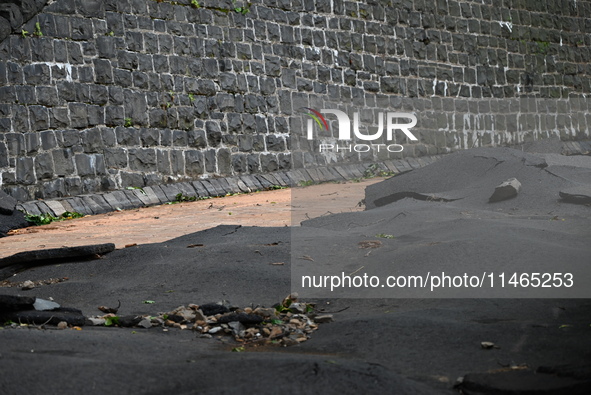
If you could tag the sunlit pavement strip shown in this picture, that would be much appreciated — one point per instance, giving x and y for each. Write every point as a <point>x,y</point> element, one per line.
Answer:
<point>160,223</point>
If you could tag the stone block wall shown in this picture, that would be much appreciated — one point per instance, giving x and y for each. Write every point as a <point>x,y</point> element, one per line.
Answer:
<point>101,95</point>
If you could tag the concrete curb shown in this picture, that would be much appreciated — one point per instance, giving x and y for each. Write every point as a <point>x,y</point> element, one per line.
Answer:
<point>160,194</point>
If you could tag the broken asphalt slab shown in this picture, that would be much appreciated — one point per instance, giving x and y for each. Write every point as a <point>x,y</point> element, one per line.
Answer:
<point>472,176</point>
<point>577,195</point>
<point>232,263</point>
<point>523,382</point>
<point>390,345</point>
<point>10,218</point>
<point>28,259</point>
<point>34,311</point>
<point>403,346</point>
<point>535,231</point>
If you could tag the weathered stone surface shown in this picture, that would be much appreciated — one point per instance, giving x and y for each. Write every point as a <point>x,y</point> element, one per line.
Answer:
<point>12,14</point>
<point>5,28</point>
<point>506,190</point>
<point>139,95</point>
<point>7,203</point>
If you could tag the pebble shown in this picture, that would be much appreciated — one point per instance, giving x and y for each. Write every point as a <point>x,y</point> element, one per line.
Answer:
<point>145,323</point>
<point>97,321</point>
<point>28,285</point>
<point>322,319</point>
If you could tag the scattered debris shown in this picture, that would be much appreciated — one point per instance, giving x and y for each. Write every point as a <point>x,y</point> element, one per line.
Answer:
<point>287,323</point>
<point>37,283</point>
<point>45,305</point>
<point>506,190</point>
<point>488,345</point>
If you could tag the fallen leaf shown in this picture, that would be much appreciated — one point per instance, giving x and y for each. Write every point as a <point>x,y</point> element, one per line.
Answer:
<point>307,258</point>
<point>278,263</point>
<point>110,310</point>
<point>370,244</point>
<point>130,245</point>
<point>275,332</point>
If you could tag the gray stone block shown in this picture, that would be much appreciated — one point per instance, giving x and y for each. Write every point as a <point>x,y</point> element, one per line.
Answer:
<point>102,203</point>
<point>12,13</point>
<point>157,190</point>
<point>200,189</point>
<point>78,206</point>
<point>150,197</point>
<point>133,198</point>
<point>30,208</point>
<point>251,182</point>
<point>170,191</point>
<point>92,205</point>
<point>5,29</point>
<point>7,203</point>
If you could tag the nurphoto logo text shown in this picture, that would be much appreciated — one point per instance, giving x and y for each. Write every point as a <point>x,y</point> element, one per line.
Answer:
<point>392,121</point>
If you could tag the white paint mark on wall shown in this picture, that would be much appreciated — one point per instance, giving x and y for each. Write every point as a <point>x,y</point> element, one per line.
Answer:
<point>61,66</point>
<point>508,25</point>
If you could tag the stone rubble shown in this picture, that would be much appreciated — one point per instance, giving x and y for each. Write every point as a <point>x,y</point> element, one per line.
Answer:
<point>506,190</point>
<point>288,323</point>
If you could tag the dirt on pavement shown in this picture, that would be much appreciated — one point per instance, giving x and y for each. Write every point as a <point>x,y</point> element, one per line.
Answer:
<point>160,223</point>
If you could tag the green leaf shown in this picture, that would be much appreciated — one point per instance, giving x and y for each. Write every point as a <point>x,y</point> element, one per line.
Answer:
<point>110,321</point>
<point>385,236</point>
<point>148,302</point>
<point>238,349</point>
